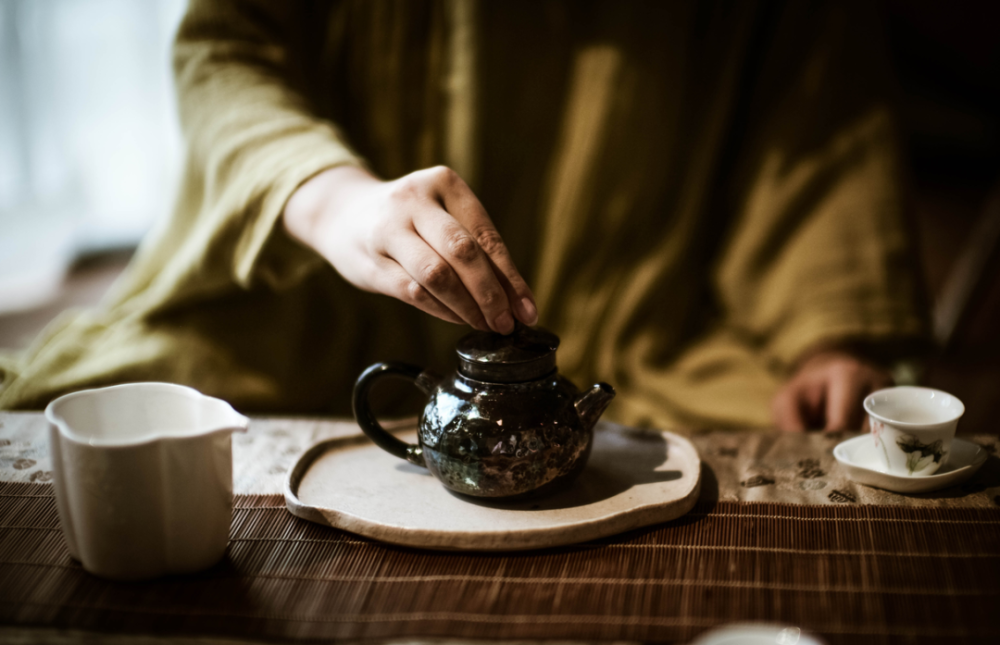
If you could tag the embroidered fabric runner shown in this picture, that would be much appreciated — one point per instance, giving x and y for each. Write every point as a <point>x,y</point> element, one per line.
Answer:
<point>748,466</point>
<point>852,573</point>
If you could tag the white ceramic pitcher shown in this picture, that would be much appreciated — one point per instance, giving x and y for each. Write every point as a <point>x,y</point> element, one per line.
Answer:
<point>143,477</point>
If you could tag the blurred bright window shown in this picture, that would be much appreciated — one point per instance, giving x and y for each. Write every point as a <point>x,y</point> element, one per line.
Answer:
<point>89,142</point>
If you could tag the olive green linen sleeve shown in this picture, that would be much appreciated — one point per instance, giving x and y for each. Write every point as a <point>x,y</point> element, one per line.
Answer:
<point>252,138</point>
<point>820,252</point>
<point>218,296</point>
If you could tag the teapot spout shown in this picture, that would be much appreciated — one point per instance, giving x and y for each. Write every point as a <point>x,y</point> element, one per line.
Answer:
<point>591,404</point>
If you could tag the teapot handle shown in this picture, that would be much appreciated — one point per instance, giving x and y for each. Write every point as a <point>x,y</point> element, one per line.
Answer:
<point>363,414</point>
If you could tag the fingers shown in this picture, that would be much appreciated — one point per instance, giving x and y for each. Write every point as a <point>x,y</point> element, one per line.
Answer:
<point>828,391</point>
<point>433,229</point>
<point>843,401</point>
<point>456,247</point>
<point>436,276</point>
<point>391,279</point>
<point>459,201</point>
<point>848,387</point>
<point>786,409</point>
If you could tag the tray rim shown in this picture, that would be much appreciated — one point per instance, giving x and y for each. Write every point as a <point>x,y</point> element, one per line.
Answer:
<point>517,539</point>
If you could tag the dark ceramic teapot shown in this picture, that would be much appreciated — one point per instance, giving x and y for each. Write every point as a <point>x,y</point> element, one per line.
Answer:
<point>504,425</point>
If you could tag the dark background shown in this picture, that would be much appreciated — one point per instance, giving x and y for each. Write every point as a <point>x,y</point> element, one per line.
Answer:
<point>947,61</point>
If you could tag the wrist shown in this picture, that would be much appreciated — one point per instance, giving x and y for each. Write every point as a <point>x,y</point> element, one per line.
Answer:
<point>323,195</point>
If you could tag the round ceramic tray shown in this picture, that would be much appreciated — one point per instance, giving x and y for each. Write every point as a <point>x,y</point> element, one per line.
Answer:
<point>633,479</point>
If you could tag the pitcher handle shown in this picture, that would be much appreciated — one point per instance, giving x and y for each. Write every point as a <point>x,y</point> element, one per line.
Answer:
<point>363,414</point>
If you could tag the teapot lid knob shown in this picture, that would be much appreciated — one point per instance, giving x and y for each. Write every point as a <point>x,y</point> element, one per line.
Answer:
<point>524,355</point>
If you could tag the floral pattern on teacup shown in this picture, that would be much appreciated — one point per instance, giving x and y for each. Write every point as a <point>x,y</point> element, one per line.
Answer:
<point>920,455</point>
<point>877,428</point>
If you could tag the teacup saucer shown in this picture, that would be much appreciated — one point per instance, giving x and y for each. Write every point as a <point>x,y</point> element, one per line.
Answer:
<point>858,457</point>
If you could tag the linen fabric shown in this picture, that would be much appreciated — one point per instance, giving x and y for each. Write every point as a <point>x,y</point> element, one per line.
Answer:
<point>700,193</point>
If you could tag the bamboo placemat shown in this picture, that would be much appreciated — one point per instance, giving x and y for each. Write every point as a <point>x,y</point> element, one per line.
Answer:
<point>855,574</point>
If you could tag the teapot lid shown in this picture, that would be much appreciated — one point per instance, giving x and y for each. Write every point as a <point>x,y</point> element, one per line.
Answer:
<point>524,355</point>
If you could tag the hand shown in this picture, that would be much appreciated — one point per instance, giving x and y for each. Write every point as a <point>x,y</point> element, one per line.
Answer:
<point>424,239</point>
<point>827,391</point>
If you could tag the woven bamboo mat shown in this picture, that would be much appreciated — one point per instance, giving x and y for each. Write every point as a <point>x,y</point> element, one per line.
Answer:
<point>855,574</point>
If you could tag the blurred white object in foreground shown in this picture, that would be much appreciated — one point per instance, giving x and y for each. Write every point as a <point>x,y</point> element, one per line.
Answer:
<point>89,144</point>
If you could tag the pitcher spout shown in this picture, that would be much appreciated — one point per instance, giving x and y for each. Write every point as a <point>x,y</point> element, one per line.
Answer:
<point>591,404</point>
<point>217,416</point>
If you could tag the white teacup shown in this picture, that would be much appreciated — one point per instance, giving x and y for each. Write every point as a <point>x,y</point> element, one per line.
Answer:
<point>912,428</point>
<point>143,476</point>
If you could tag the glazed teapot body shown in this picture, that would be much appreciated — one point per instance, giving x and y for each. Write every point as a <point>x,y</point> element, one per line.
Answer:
<point>491,438</point>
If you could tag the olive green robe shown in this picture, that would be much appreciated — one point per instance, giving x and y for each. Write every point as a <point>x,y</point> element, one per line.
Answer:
<point>698,193</point>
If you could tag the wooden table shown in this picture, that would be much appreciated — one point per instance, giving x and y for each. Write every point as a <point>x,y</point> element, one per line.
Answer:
<point>779,535</point>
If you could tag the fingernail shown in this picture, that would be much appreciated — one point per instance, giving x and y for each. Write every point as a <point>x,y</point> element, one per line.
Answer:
<point>529,315</point>
<point>504,323</point>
